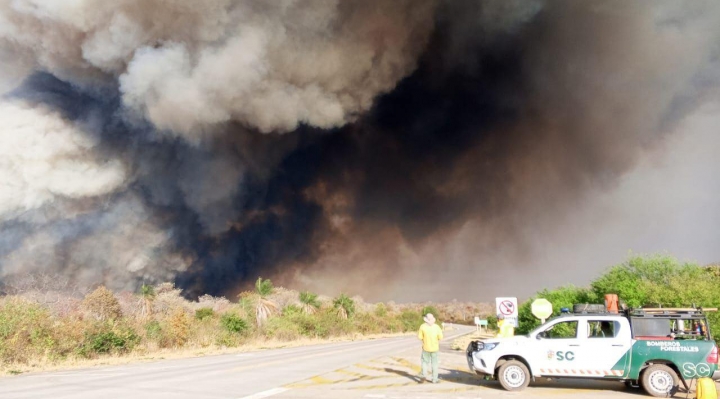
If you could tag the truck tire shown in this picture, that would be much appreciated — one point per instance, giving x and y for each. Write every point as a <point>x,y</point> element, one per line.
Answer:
<point>513,375</point>
<point>660,381</point>
<point>588,308</point>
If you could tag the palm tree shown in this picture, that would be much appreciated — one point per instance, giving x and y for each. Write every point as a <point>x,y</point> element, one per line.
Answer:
<point>345,306</point>
<point>310,303</point>
<point>265,307</point>
<point>147,292</point>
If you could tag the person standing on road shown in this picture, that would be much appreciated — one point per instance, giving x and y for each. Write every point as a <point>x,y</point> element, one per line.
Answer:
<point>430,334</point>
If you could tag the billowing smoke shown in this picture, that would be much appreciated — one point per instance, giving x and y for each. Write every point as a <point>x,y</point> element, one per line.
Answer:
<point>369,146</point>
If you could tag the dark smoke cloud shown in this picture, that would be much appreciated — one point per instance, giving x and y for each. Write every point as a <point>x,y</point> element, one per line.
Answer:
<point>403,136</point>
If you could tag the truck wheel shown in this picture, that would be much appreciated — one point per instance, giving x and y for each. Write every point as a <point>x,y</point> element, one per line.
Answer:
<point>513,375</point>
<point>660,381</point>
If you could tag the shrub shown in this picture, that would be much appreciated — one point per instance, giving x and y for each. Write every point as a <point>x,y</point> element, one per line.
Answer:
<point>25,331</point>
<point>176,331</point>
<point>283,329</point>
<point>153,330</point>
<point>381,310</point>
<point>290,310</point>
<point>102,304</point>
<point>232,322</point>
<point>108,338</point>
<point>411,320</point>
<point>204,313</point>
<point>432,310</point>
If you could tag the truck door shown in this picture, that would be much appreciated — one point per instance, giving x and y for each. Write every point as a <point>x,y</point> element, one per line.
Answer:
<point>608,345</point>
<point>558,349</point>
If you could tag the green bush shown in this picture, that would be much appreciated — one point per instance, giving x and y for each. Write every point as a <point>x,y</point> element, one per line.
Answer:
<point>291,310</point>
<point>642,281</point>
<point>204,313</point>
<point>108,339</point>
<point>381,310</point>
<point>432,310</point>
<point>232,322</point>
<point>25,331</point>
<point>411,320</point>
<point>283,329</point>
<point>153,330</point>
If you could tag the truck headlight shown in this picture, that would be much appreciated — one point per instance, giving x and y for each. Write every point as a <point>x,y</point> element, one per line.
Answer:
<point>490,346</point>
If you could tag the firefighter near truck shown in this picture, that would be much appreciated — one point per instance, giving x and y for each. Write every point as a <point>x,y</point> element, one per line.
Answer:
<point>654,348</point>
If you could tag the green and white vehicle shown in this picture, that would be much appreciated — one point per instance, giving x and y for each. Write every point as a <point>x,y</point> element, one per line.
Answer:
<point>657,349</point>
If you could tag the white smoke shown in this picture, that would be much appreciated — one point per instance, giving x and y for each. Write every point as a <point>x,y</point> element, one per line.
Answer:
<point>43,157</point>
<point>187,65</point>
<point>117,246</point>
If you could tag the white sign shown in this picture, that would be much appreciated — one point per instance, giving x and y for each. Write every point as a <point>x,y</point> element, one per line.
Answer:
<point>477,320</point>
<point>507,307</point>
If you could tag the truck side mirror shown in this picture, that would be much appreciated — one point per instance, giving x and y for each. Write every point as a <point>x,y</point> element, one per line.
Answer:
<point>541,335</point>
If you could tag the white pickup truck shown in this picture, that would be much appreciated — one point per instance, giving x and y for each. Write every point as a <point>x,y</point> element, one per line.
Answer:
<point>654,348</point>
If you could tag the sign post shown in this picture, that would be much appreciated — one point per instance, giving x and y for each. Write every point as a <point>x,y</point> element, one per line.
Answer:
<point>542,309</point>
<point>507,306</point>
<point>480,323</point>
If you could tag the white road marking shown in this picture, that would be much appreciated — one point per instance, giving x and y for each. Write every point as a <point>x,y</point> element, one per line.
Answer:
<point>265,394</point>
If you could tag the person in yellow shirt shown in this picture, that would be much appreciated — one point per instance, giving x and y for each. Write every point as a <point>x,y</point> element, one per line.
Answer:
<point>505,329</point>
<point>430,334</point>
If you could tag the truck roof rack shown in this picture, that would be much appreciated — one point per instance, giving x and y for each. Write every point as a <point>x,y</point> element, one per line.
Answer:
<point>668,312</point>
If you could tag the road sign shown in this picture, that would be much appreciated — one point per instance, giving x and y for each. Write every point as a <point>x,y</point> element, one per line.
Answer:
<point>480,322</point>
<point>541,308</point>
<point>507,307</point>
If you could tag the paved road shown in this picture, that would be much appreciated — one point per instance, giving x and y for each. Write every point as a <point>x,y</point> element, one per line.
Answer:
<point>367,369</point>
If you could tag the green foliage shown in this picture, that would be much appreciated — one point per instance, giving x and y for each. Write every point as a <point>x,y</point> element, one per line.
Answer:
<point>291,310</point>
<point>381,310</point>
<point>284,328</point>
<point>109,338</point>
<point>345,306</point>
<point>264,287</point>
<point>649,281</point>
<point>309,299</point>
<point>411,320</point>
<point>153,330</point>
<point>433,310</point>
<point>204,313</point>
<point>492,322</point>
<point>147,291</point>
<point>25,331</point>
<point>232,322</point>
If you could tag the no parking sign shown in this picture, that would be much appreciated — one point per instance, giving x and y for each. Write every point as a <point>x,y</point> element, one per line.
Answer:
<point>507,307</point>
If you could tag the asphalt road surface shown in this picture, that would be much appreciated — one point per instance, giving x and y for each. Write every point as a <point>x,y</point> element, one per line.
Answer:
<point>386,368</point>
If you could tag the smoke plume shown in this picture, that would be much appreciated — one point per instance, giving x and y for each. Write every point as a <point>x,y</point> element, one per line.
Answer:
<point>379,147</point>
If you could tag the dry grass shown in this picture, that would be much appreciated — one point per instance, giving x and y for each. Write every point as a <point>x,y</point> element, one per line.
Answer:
<point>106,328</point>
<point>145,356</point>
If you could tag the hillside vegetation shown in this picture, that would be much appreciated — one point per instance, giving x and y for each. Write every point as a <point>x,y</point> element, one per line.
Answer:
<point>42,324</point>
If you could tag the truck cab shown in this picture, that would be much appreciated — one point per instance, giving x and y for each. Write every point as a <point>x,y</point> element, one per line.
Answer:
<point>656,349</point>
